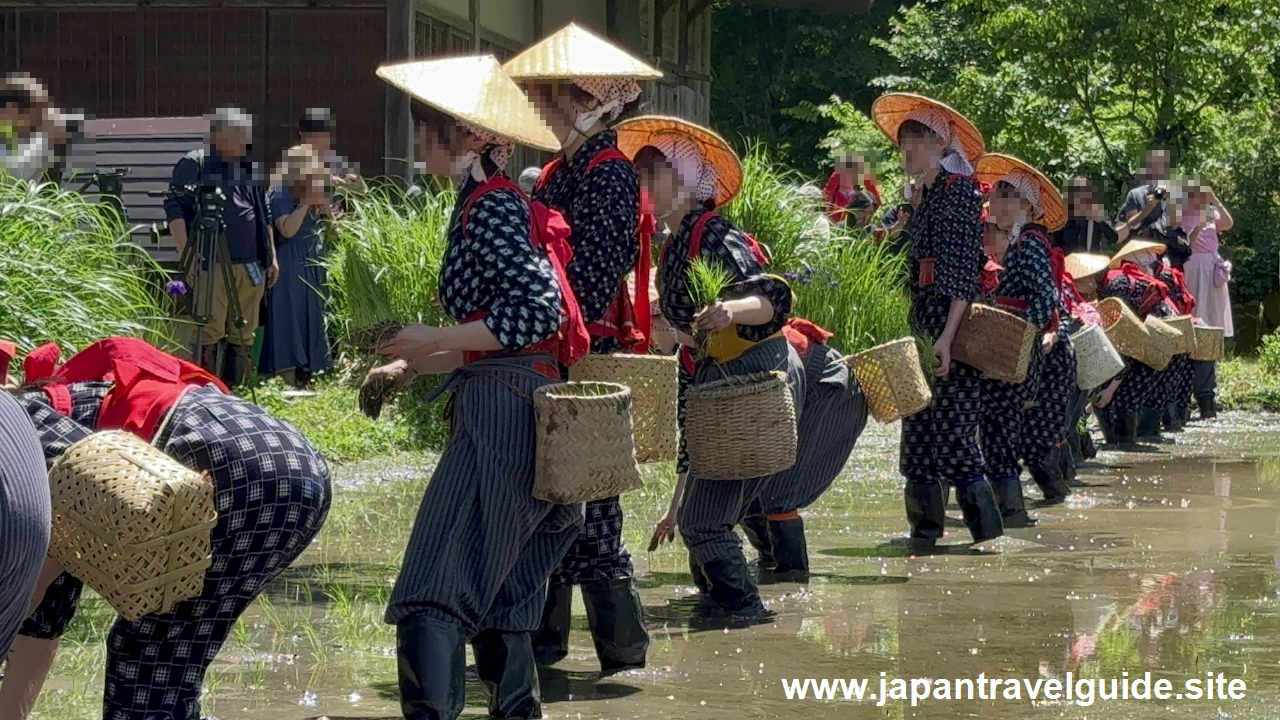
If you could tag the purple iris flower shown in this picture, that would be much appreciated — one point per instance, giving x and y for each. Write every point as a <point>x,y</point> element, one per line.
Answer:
<point>175,287</point>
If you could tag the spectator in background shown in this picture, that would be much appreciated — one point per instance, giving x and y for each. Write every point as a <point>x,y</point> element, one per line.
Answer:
<point>295,344</point>
<point>851,194</point>
<point>529,178</point>
<point>316,128</point>
<point>1208,276</point>
<point>29,128</point>
<point>244,254</point>
<point>1145,215</point>
<point>1087,229</point>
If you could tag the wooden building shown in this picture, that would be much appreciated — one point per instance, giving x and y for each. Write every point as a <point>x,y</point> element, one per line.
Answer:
<point>182,58</point>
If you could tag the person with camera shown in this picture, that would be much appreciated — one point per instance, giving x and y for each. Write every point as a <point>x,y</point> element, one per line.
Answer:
<point>851,194</point>
<point>233,271</point>
<point>316,128</point>
<point>31,129</point>
<point>1145,215</point>
<point>295,344</point>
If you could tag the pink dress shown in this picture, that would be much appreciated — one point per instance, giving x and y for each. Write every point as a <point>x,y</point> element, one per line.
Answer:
<point>1213,303</point>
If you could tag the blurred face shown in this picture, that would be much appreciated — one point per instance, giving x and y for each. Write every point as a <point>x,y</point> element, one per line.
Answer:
<point>1088,286</point>
<point>1080,196</point>
<point>558,104</point>
<point>663,183</point>
<point>1157,167</point>
<point>851,169</point>
<point>1197,197</point>
<point>1008,208</point>
<point>321,142</point>
<point>232,143</point>
<point>921,152</point>
<point>441,146</point>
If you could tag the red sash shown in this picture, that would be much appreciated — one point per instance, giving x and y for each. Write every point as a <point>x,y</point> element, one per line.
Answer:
<point>626,320</point>
<point>1154,292</point>
<point>147,381</point>
<point>549,232</point>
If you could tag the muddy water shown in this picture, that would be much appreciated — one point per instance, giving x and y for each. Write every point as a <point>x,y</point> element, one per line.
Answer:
<point>1169,564</point>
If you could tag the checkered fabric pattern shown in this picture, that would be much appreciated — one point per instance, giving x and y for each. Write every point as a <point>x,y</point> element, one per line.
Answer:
<point>599,553</point>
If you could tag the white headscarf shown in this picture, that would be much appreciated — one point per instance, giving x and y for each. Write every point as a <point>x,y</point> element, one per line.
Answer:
<point>500,151</point>
<point>954,159</point>
<point>685,156</point>
<point>1028,187</point>
<point>613,95</point>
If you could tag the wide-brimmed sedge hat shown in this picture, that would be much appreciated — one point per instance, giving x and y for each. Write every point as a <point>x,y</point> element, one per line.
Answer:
<point>473,89</point>
<point>1133,247</point>
<point>702,158</point>
<point>1031,184</point>
<point>1082,265</point>
<point>573,52</point>
<point>961,136</point>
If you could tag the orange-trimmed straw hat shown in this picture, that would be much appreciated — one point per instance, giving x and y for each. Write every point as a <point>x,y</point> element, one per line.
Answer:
<point>718,171</point>
<point>1031,184</point>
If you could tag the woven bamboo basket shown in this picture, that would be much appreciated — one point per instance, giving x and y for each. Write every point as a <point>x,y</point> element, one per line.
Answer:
<point>654,384</point>
<point>1186,338</point>
<point>1124,329</point>
<point>131,522</point>
<point>996,343</point>
<point>1097,360</point>
<point>740,427</point>
<point>585,449</point>
<point>1162,341</point>
<point>1209,342</point>
<point>892,380</point>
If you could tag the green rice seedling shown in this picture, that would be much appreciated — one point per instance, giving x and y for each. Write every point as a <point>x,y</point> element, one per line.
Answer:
<point>781,210</point>
<point>706,282</point>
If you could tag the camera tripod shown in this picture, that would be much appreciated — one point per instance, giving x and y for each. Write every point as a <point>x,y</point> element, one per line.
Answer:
<point>205,255</point>
<point>109,185</point>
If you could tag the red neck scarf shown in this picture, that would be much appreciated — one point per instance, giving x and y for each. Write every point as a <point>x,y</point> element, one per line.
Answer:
<point>1154,292</point>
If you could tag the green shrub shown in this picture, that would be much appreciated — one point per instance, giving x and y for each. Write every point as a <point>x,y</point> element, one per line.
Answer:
<point>69,272</point>
<point>1269,354</point>
<point>332,420</point>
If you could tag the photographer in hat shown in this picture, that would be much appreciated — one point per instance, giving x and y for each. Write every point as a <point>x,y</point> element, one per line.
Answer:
<point>1145,213</point>
<point>482,547</point>
<point>581,84</point>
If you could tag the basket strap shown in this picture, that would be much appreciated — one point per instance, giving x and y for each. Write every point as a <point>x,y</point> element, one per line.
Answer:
<point>489,367</point>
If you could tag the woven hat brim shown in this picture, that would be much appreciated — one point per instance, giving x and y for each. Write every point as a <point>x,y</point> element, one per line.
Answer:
<point>575,52</point>
<point>636,133</point>
<point>473,89</point>
<point>891,110</point>
<point>1133,247</point>
<point>993,166</point>
<point>1082,265</point>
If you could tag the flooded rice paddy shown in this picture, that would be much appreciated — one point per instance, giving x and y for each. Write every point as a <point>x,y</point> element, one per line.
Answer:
<point>1169,564</point>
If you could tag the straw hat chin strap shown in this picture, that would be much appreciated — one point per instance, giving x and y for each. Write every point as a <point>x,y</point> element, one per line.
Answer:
<point>937,120</point>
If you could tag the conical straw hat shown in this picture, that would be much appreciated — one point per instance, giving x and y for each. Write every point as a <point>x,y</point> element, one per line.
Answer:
<point>992,167</point>
<point>575,52</point>
<point>636,133</point>
<point>473,89</point>
<point>1133,247</point>
<point>1082,265</point>
<point>890,111</point>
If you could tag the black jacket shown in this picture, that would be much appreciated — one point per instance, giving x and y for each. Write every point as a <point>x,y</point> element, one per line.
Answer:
<point>194,168</point>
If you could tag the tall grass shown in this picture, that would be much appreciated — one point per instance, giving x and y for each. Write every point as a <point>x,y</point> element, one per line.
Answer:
<point>69,272</point>
<point>849,285</point>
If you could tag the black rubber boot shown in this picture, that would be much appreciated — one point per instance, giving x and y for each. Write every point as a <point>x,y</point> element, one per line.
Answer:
<point>699,577</point>
<point>505,665</point>
<point>1067,463</point>
<point>1148,429</point>
<point>209,360</point>
<point>1047,474</point>
<point>790,551</point>
<point>432,660</point>
<point>235,365</point>
<point>732,596</point>
<point>981,512</point>
<point>1013,506</point>
<point>1173,417</point>
<point>1208,406</point>
<point>756,528</point>
<point>551,641</point>
<point>1108,418</point>
<point>1088,450</point>
<point>617,624</point>
<point>926,504</point>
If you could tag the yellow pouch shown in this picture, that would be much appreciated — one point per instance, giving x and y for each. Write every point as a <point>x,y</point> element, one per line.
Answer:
<point>726,345</point>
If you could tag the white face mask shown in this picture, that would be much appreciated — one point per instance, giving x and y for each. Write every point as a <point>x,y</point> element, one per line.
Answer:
<point>586,120</point>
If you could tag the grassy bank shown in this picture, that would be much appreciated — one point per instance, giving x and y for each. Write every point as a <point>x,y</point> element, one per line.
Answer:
<point>1247,384</point>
